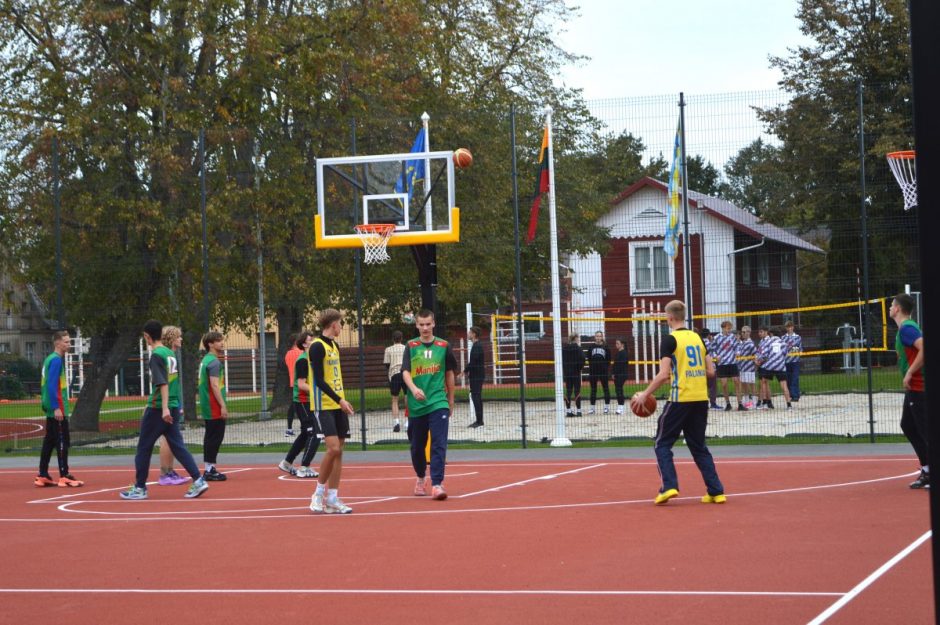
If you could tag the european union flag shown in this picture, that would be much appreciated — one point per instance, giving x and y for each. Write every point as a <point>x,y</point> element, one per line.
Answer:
<point>414,169</point>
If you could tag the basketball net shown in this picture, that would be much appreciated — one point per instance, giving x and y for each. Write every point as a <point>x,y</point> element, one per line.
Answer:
<point>375,241</point>
<point>902,166</point>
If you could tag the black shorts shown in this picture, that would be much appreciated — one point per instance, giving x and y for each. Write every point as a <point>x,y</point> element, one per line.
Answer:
<point>767,374</point>
<point>333,422</point>
<point>395,383</point>
<point>727,371</point>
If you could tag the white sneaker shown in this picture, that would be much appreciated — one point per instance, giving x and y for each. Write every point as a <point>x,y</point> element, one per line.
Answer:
<point>316,502</point>
<point>591,410</point>
<point>336,507</point>
<point>606,409</point>
<point>306,472</point>
<point>287,467</point>
<point>619,409</point>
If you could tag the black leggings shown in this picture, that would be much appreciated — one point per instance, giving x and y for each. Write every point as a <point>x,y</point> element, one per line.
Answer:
<point>603,379</point>
<point>914,423</point>
<point>291,411</point>
<point>573,388</point>
<point>308,441</point>
<point>212,439</point>
<point>476,396</point>
<point>53,440</point>
<point>619,381</point>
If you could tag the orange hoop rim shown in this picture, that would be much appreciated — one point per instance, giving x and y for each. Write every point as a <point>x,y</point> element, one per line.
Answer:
<point>901,155</point>
<point>382,229</point>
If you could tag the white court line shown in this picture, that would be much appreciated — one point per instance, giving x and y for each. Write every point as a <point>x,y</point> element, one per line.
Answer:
<point>66,507</point>
<point>421,591</point>
<point>311,481</point>
<point>550,476</point>
<point>868,581</point>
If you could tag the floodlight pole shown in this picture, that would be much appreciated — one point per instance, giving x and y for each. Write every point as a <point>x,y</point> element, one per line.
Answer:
<point>359,328</point>
<point>861,160</point>
<point>520,339</point>
<point>264,415</point>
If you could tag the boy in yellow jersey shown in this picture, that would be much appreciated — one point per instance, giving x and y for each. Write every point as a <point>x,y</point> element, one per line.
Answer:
<point>331,411</point>
<point>685,363</point>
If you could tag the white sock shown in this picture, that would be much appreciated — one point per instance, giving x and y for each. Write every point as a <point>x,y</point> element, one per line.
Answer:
<point>925,468</point>
<point>209,466</point>
<point>332,494</point>
<point>321,488</point>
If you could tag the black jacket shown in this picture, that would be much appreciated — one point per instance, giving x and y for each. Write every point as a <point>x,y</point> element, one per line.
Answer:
<point>476,367</point>
<point>572,360</point>
<point>621,363</point>
<point>599,359</point>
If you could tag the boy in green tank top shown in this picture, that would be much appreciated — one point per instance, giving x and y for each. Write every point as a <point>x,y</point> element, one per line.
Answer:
<point>428,368</point>
<point>55,403</point>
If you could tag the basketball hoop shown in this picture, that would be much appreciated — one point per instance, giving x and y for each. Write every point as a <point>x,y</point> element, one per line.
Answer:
<point>902,166</point>
<point>375,241</point>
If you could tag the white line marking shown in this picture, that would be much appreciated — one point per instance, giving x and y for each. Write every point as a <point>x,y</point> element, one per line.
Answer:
<point>417,591</point>
<point>550,476</point>
<point>57,498</point>
<point>868,581</point>
<point>308,480</point>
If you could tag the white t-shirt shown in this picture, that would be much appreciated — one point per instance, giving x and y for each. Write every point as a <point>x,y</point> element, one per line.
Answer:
<point>393,356</point>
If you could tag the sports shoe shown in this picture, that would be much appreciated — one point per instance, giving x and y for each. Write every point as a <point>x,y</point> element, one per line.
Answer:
<point>714,499</point>
<point>306,472</point>
<point>43,480</point>
<point>68,481</point>
<point>289,433</point>
<point>922,481</point>
<point>134,492</point>
<point>742,408</point>
<point>438,493</point>
<point>198,487</point>
<point>714,406</point>
<point>420,491</point>
<point>316,502</point>
<point>287,467</point>
<point>569,413</point>
<point>728,407</point>
<point>770,405</point>
<point>591,410</point>
<point>213,475</point>
<point>619,409</point>
<point>749,405</point>
<point>760,407</point>
<point>336,506</point>
<point>577,413</point>
<point>173,479</point>
<point>396,427</point>
<point>663,497</point>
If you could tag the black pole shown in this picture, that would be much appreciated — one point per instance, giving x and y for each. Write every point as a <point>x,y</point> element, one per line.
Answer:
<point>205,229</point>
<point>861,160</point>
<point>687,244</point>
<point>57,206</point>
<point>359,329</point>
<point>520,339</point>
<point>925,71</point>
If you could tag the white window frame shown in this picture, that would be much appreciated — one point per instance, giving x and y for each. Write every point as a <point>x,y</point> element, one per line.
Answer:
<point>527,316</point>
<point>763,270</point>
<point>670,270</point>
<point>786,271</point>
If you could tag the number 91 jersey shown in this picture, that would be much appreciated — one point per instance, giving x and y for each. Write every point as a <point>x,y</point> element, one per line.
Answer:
<point>688,368</point>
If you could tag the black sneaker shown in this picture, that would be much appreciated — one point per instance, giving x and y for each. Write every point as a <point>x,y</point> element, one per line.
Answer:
<point>922,481</point>
<point>214,476</point>
<point>727,407</point>
<point>396,427</point>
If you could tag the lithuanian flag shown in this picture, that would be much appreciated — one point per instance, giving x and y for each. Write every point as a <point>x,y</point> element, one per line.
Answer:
<point>541,186</point>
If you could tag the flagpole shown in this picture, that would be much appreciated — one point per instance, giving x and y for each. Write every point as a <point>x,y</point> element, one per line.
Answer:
<point>560,440</point>
<point>686,244</point>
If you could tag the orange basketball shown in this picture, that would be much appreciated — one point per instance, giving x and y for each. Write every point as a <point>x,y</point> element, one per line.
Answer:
<point>462,158</point>
<point>646,409</point>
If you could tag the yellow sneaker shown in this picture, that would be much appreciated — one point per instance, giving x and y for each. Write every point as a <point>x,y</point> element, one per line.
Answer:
<point>714,499</point>
<point>662,498</point>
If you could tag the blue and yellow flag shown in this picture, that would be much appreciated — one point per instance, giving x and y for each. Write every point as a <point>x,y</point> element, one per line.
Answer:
<point>414,169</point>
<point>671,243</point>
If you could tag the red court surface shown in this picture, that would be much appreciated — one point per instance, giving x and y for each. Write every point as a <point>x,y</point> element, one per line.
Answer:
<point>801,540</point>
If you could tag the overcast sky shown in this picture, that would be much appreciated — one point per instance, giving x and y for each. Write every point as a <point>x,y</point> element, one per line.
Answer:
<point>655,47</point>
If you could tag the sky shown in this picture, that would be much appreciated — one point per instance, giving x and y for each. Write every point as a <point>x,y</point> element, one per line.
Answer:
<point>645,52</point>
<point>655,47</point>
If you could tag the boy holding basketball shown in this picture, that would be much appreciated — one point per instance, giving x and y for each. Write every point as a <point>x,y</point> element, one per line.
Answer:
<point>684,362</point>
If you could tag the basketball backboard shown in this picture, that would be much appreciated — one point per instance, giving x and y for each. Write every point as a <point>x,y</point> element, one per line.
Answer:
<point>413,190</point>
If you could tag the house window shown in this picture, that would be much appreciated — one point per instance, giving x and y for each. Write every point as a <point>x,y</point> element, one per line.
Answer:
<point>46,347</point>
<point>4,348</point>
<point>763,270</point>
<point>30,351</point>
<point>786,270</point>
<point>652,268</point>
<point>533,325</point>
<point>764,321</point>
<point>745,269</point>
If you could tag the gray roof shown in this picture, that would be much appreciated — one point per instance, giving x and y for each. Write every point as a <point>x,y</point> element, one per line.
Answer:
<point>749,223</point>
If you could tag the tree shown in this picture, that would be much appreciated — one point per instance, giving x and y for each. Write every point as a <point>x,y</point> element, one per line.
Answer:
<point>702,175</point>
<point>754,181</point>
<point>854,42</point>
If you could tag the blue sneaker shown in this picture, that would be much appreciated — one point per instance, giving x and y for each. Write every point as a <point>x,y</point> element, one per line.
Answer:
<point>198,487</point>
<point>134,492</point>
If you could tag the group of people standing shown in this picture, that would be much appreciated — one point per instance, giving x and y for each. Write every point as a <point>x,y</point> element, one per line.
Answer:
<point>741,364</point>
<point>601,363</point>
